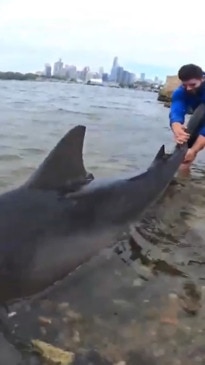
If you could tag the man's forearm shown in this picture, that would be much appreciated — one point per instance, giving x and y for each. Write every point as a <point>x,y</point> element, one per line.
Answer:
<point>199,144</point>
<point>174,125</point>
<point>176,122</point>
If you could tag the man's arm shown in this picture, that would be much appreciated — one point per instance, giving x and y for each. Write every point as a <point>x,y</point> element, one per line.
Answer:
<point>178,107</point>
<point>177,115</point>
<point>200,141</point>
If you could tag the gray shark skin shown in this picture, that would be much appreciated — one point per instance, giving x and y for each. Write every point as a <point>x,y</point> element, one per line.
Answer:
<point>62,216</point>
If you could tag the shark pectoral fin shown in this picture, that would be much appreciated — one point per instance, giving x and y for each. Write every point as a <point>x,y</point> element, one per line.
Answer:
<point>64,165</point>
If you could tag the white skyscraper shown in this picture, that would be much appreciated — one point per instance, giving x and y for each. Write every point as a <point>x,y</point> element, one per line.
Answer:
<point>113,74</point>
<point>57,69</point>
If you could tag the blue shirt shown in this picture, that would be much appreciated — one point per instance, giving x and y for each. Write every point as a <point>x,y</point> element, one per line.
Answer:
<point>180,103</point>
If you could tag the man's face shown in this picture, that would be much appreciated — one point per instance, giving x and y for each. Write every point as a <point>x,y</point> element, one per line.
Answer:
<point>192,85</point>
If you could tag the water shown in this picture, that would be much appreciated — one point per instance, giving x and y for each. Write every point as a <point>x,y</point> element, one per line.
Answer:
<point>128,306</point>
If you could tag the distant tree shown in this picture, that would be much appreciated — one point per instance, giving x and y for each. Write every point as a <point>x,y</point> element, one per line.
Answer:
<point>9,75</point>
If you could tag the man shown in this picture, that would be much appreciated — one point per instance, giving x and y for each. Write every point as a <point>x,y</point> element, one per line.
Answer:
<point>188,95</point>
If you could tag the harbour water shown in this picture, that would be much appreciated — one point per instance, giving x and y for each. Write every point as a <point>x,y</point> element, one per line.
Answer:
<point>131,305</point>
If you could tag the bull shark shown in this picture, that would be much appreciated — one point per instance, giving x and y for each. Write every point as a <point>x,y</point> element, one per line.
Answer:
<point>62,216</point>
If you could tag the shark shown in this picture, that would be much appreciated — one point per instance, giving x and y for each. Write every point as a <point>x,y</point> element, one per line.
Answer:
<point>62,215</point>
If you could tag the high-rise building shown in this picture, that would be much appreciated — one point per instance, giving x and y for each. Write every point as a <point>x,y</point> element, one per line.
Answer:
<point>119,77</point>
<point>132,78</point>
<point>113,74</point>
<point>57,69</point>
<point>63,73</point>
<point>115,62</point>
<point>85,72</point>
<point>88,76</point>
<point>105,77</point>
<point>71,72</point>
<point>79,75</point>
<point>125,78</point>
<point>47,70</point>
<point>101,71</point>
<point>142,76</point>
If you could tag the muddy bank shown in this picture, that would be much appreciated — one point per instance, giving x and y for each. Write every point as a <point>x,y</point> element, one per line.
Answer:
<point>139,303</point>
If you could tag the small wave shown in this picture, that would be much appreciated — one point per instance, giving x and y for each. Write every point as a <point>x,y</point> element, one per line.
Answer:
<point>33,150</point>
<point>110,107</point>
<point>9,157</point>
<point>116,102</point>
<point>20,102</point>
<point>99,107</point>
<point>73,112</point>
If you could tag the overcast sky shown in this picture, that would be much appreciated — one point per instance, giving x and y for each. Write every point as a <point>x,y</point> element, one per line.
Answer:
<point>155,36</point>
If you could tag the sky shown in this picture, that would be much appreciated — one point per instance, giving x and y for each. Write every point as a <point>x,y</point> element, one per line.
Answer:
<point>155,37</point>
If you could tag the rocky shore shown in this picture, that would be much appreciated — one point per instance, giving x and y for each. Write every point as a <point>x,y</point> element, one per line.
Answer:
<point>141,303</point>
<point>165,94</point>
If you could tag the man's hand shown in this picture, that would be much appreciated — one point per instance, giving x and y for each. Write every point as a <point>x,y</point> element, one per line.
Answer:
<point>181,136</point>
<point>190,155</point>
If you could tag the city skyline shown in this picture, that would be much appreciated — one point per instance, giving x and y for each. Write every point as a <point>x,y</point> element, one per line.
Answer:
<point>150,70</point>
<point>118,74</point>
<point>32,32</point>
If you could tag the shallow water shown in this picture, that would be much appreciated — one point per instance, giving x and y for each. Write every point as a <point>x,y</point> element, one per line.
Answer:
<point>127,305</point>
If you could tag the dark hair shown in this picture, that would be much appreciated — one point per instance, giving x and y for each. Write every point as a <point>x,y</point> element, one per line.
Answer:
<point>190,71</point>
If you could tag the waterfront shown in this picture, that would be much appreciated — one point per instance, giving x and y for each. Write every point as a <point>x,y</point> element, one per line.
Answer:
<point>119,307</point>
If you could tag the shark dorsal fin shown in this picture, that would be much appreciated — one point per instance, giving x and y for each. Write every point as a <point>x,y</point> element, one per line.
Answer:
<point>64,164</point>
<point>159,156</point>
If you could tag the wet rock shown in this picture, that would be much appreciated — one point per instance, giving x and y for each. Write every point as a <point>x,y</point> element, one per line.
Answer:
<point>122,303</point>
<point>177,362</point>
<point>158,352</point>
<point>141,358</point>
<point>90,358</point>
<point>43,331</point>
<point>44,321</point>
<point>170,313</point>
<point>48,305</point>
<point>54,355</point>
<point>73,315</point>
<point>137,282</point>
<point>9,355</point>
<point>190,298</point>
<point>167,104</point>
<point>152,258</point>
<point>29,359</point>
<point>165,93</point>
<point>63,306</point>
<point>76,336</point>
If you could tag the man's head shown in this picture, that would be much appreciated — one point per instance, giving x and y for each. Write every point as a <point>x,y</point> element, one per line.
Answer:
<point>191,77</point>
